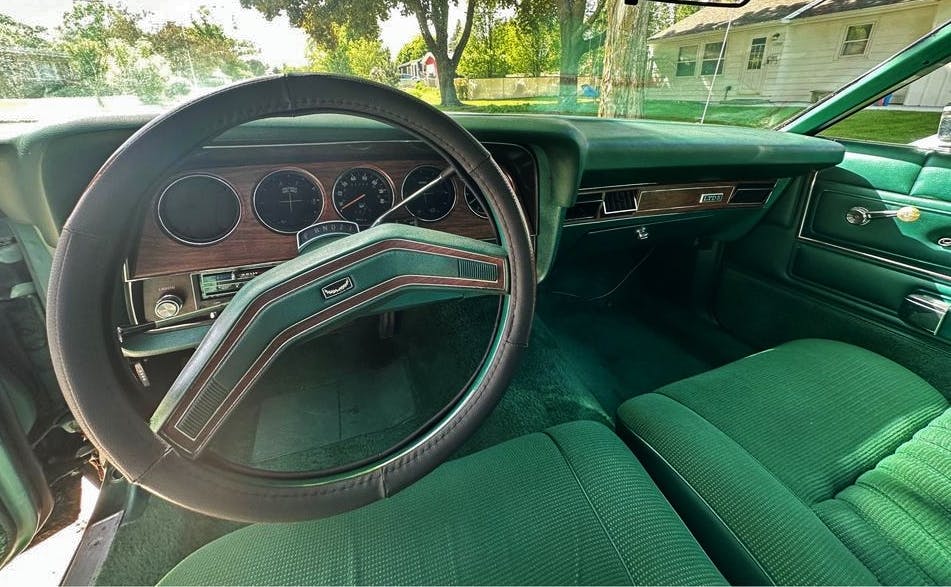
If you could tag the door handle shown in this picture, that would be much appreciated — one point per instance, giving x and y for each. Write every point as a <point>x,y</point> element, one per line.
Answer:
<point>927,312</point>
<point>860,216</point>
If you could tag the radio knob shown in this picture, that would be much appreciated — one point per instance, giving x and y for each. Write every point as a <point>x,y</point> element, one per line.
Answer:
<point>168,306</point>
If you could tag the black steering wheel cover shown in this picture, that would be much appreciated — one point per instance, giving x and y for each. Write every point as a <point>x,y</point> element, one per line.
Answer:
<point>96,239</point>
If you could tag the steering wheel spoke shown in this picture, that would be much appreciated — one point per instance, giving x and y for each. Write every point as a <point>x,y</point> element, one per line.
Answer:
<point>389,267</point>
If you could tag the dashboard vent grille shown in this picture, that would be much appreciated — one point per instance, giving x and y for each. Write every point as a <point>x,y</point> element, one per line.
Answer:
<point>753,193</point>
<point>617,202</point>
<point>587,206</point>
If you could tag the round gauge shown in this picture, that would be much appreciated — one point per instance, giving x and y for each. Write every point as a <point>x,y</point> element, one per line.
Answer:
<point>287,200</point>
<point>435,203</point>
<point>362,195</point>
<point>474,204</point>
<point>198,209</point>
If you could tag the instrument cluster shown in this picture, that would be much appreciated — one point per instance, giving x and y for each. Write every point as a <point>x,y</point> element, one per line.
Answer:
<point>201,209</point>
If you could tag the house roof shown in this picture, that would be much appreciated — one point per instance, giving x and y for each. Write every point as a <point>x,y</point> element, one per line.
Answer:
<point>758,11</point>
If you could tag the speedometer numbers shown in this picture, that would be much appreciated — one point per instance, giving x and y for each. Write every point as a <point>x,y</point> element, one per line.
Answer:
<point>362,195</point>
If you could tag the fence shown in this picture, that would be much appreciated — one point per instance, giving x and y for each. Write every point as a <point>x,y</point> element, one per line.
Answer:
<point>513,87</point>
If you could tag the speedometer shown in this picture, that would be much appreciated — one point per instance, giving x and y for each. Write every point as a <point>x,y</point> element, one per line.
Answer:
<point>362,195</point>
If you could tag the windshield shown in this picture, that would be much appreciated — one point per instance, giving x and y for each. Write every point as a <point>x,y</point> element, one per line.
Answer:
<point>752,66</point>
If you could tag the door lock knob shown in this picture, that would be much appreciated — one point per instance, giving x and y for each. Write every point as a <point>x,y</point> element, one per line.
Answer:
<point>860,216</point>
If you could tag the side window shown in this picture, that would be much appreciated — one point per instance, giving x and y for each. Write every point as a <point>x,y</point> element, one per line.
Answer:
<point>687,61</point>
<point>908,115</point>
<point>712,60</point>
<point>856,40</point>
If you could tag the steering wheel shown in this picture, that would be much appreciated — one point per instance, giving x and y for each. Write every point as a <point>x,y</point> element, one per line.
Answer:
<point>390,266</point>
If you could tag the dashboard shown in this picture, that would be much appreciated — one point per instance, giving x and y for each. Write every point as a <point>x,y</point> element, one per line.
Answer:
<point>232,212</point>
<point>232,209</point>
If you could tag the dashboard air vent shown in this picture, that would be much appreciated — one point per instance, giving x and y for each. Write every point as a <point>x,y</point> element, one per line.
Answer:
<point>617,202</point>
<point>752,193</point>
<point>587,206</point>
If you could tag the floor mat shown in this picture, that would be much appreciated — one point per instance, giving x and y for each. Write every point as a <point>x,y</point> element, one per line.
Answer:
<point>323,414</point>
<point>615,352</point>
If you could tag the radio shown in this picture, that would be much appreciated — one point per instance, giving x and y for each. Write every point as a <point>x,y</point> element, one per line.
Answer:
<point>221,284</point>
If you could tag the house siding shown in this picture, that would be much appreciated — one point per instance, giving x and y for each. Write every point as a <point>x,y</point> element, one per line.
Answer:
<point>802,58</point>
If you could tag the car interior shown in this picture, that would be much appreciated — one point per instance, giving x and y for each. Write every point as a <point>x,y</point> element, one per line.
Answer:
<point>307,329</point>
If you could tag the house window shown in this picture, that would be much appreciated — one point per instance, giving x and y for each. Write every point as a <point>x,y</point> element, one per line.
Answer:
<point>712,61</point>
<point>687,61</point>
<point>856,40</point>
<point>757,49</point>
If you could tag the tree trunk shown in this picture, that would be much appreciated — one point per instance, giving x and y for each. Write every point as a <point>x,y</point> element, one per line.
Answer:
<point>446,74</point>
<point>571,31</point>
<point>626,64</point>
<point>568,71</point>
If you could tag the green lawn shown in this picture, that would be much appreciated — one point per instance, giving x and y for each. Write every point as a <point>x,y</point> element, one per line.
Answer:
<point>890,126</point>
<point>735,114</point>
<point>886,126</point>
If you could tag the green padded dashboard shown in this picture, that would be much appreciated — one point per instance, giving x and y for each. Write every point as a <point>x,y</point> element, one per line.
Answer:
<point>45,170</point>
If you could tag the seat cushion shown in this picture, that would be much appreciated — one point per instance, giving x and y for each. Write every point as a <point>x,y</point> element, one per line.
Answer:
<point>802,465</point>
<point>568,506</point>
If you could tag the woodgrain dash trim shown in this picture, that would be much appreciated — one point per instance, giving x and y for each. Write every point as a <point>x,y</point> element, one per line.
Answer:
<point>170,429</point>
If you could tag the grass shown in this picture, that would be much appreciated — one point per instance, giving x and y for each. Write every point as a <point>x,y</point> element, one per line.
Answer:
<point>886,126</point>
<point>883,125</point>
<point>734,114</point>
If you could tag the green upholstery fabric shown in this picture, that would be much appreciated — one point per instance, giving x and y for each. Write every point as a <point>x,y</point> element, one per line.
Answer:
<point>568,506</point>
<point>826,463</point>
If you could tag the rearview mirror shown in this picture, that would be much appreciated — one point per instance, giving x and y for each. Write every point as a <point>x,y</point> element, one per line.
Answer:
<point>721,3</point>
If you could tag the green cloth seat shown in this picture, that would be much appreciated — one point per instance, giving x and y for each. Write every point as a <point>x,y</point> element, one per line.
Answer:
<point>568,506</point>
<point>816,462</point>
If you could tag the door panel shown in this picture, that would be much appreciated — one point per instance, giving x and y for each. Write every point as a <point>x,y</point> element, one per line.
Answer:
<point>915,243</point>
<point>807,272</point>
<point>879,178</point>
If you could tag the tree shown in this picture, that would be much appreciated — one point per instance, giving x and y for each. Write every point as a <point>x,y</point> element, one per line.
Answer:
<point>682,11</point>
<point>89,31</point>
<point>202,50</point>
<point>17,35</point>
<point>22,48</point>
<point>490,45</point>
<point>110,53</point>
<point>137,69</point>
<point>538,46</point>
<point>577,20</point>
<point>320,18</point>
<point>432,16</point>
<point>317,17</point>
<point>414,49</point>
<point>626,61</point>
<point>363,57</point>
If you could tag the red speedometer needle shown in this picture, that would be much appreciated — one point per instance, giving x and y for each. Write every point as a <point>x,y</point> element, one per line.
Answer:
<point>353,201</point>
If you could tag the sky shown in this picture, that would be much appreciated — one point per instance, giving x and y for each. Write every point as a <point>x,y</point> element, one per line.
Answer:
<point>279,42</point>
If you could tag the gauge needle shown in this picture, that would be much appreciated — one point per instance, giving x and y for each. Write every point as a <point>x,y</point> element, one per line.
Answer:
<point>353,201</point>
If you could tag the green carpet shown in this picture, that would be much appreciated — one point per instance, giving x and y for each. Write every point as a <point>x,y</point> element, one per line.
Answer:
<point>615,351</point>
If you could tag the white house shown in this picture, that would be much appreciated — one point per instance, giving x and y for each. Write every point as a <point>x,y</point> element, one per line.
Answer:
<point>793,51</point>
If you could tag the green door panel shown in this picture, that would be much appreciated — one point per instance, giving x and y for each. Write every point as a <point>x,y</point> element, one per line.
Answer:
<point>846,275</point>
<point>804,271</point>
<point>886,177</point>
<point>915,243</point>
